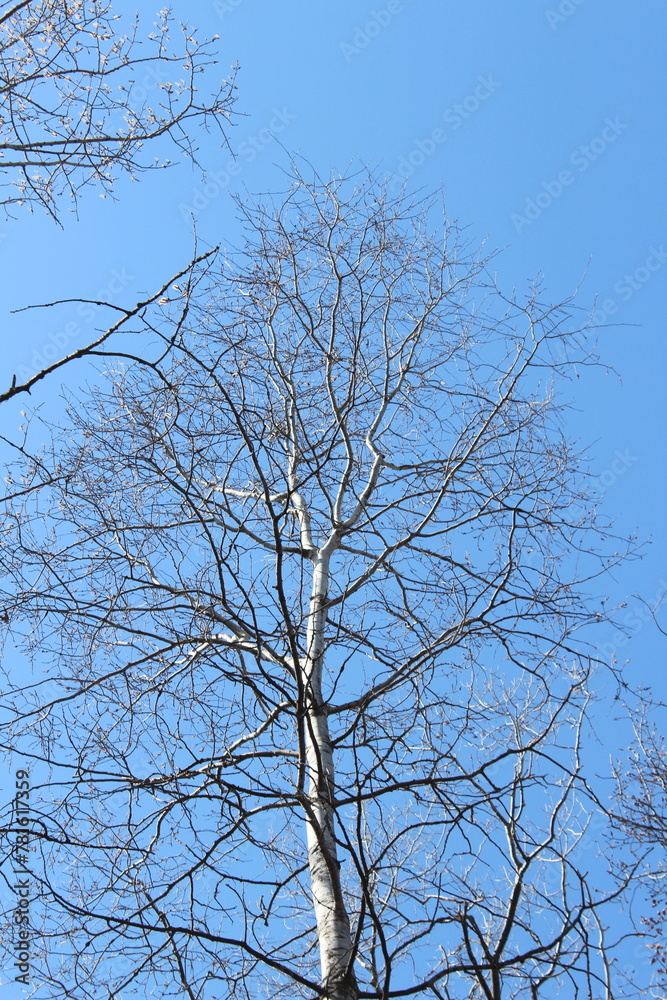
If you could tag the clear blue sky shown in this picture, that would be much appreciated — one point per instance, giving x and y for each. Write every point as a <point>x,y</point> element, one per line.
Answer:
<point>544,122</point>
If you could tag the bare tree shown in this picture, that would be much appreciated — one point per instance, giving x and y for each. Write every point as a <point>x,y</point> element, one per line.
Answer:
<point>83,98</point>
<point>642,817</point>
<point>303,600</point>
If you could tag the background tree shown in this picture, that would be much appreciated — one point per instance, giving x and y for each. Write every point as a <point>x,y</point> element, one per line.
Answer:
<point>642,817</point>
<point>83,98</point>
<point>307,593</point>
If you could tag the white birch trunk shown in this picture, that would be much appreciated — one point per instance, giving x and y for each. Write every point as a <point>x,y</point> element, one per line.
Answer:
<point>333,924</point>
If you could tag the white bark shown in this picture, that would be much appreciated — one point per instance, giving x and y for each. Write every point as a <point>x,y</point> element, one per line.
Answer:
<point>333,924</point>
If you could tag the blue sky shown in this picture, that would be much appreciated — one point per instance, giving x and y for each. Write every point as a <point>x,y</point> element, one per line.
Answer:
<point>547,118</point>
<point>542,121</point>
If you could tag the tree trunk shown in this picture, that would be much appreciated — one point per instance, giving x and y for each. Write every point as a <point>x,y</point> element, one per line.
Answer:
<point>333,924</point>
